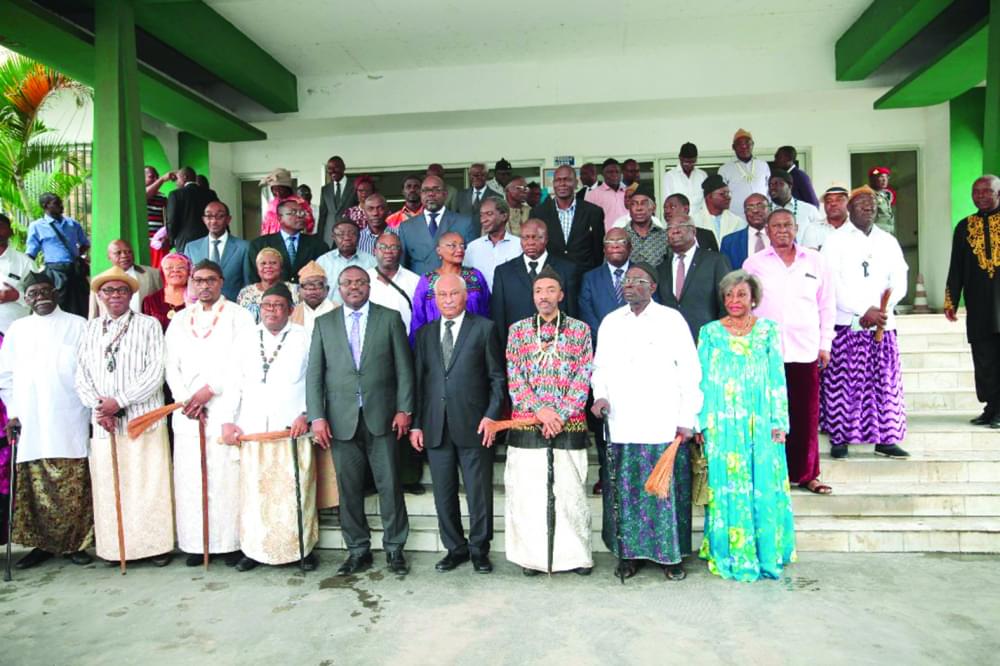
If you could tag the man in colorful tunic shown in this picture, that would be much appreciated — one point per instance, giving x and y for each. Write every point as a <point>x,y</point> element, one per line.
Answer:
<point>53,508</point>
<point>975,273</point>
<point>644,416</point>
<point>861,392</point>
<point>198,343</point>
<point>547,517</point>
<point>267,393</point>
<point>120,377</point>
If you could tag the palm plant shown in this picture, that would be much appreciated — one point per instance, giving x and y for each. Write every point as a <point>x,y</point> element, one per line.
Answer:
<point>32,161</point>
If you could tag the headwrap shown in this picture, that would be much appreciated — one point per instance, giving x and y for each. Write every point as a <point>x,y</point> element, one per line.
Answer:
<point>712,183</point>
<point>279,289</point>
<point>189,296</point>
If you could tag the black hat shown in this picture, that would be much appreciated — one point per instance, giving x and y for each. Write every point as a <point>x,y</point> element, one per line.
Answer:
<point>37,277</point>
<point>549,273</point>
<point>689,151</point>
<point>645,190</point>
<point>502,165</point>
<point>712,183</point>
<point>783,175</point>
<point>279,289</point>
<point>645,268</point>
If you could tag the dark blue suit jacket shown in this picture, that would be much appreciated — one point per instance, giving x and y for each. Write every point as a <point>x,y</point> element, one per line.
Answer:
<point>734,246</point>
<point>233,262</point>
<point>419,249</point>
<point>597,298</point>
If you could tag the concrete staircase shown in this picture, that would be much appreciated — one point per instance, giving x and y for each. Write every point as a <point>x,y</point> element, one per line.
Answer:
<point>945,498</point>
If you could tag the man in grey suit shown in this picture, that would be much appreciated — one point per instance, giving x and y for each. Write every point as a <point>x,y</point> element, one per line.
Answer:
<point>223,248</point>
<point>461,382</point>
<point>360,399</point>
<point>336,196</point>
<point>419,234</point>
<point>467,201</point>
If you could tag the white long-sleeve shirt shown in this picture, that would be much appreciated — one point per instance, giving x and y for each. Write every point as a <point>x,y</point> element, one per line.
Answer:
<point>675,181</point>
<point>744,179</point>
<point>647,368</point>
<point>863,267</point>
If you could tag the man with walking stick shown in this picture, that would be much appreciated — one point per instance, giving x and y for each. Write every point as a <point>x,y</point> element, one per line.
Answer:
<point>120,377</point>
<point>199,341</point>
<point>547,518</point>
<point>54,513</point>
<point>263,409</point>
<point>646,380</point>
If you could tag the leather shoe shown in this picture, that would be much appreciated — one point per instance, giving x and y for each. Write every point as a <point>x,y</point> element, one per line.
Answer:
<point>80,557</point>
<point>451,561</point>
<point>890,451</point>
<point>583,571</point>
<point>397,563</point>
<point>530,572</point>
<point>310,562</point>
<point>982,419</point>
<point>162,560</point>
<point>33,559</point>
<point>838,451</point>
<point>414,488</point>
<point>481,564</point>
<point>246,564</point>
<point>355,564</point>
<point>233,558</point>
<point>995,422</point>
<point>195,560</point>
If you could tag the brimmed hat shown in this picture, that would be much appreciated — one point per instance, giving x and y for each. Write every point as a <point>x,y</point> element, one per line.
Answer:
<point>858,191</point>
<point>279,176</point>
<point>836,189</point>
<point>113,274</point>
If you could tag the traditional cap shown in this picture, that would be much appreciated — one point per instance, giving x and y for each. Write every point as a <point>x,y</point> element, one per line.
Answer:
<point>502,165</point>
<point>113,274</point>
<point>783,175</point>
<point>207,264</point>
<point>645,268</point>
<point>644,190</point>
<point>875,171</point>
<point>278,177</point>
<point>279,289</point>
<point>689,151</point>
<point>858,191</point>
<point>836,189</point>
<point>712,183</point>
<point>311,270</point>
<point>37,277</point>
<point>549,273</point>
<point>740,133</point>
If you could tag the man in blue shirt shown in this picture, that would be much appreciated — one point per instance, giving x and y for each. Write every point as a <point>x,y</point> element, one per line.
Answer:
<point>64,245</point>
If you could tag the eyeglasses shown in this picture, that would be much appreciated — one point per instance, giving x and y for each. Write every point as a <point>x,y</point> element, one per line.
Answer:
<point>203,282</point>
<point>40,292</point>
<point>220,216</point>
<point>273,306</point>
<point>629,281</point>
<point>295,213</point>
<point>387,248</point>
<point>431,190</point>
<point>312,286</point>
<point>113,291</point>
<point>360,282</point>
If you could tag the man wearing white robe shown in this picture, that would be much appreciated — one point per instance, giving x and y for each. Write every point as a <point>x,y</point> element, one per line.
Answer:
<point>746,174</point>
<point>120,377</point>
<point>198,343</point>
<point>267,393</point>
<point>54,510</point>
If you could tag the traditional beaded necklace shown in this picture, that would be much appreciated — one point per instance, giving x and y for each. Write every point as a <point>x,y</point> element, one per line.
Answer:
<point>211,327</point>
<point>548,345</point>
<point>747,175</point>
<point>266,362</point>
<point>112,349</point>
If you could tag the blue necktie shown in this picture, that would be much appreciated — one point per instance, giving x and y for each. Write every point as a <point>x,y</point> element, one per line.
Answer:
<point>432,224</point>
<point>290,246</point>
<point>618,285</point>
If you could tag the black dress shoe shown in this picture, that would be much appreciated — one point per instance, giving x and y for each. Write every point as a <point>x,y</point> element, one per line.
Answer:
<point>452,560</point>
<point>583,571</point>
<point>355,564</point>
<point>414,488</point>
<point>995,422</point>
<point>162,560</point>
<point>838,451</point>
<point>310,562</point>
<point>246,564</point>
<point>397,563</point>
<point>195,560</point>
<point>80,557</point>
<point>890,451</point>
<point>481,564</point>
<point>530,572</point>
<point>982,419</point>
<point>33,559</point>
<point>233,558</point>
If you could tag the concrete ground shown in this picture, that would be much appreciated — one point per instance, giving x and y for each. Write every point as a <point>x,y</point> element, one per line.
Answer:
<point>827,609</point>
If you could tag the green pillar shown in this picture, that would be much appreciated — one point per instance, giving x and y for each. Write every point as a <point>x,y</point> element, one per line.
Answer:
<point>966,140</point>
<point>192,151</point>
<point>991,116</point>
<point>119,195</point>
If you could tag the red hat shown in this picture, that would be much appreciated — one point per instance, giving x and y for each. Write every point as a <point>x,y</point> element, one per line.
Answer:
<point>875,171</point>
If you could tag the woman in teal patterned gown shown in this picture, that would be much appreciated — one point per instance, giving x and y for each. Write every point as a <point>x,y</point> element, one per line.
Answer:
<point>749,527</point>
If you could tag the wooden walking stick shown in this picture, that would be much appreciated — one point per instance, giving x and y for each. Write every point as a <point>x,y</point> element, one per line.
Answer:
<point>883,305</point>
<point>118,498</point>
<point>14,435</point>
<point>615,497</point>
<point>204,488</point>
<point>298,503</point>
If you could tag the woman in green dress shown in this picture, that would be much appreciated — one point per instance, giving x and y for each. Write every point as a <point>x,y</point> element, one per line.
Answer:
<point>749,527</point>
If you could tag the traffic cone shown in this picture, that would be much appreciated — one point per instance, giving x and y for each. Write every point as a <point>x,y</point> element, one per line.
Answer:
<point>920,297</point>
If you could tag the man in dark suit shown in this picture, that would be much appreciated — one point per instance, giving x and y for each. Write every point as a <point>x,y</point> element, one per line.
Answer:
<point>419,235</point>
<point>335,197</point>
<point>460,378</point>
<point>223,248</point>
<point>736,246</point>
<point>360,398</point>
<point>588,178</point>
<point>512,299</point>
<point>580,239</point>
<point>467,201</point>
<point>297,249</point>
<point>690,276</point>
<point>185,206</point>
<point>679,205</point>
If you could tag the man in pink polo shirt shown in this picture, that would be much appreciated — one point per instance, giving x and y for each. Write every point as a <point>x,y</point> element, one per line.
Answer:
<point>799,296</point>
<point>610,195</point>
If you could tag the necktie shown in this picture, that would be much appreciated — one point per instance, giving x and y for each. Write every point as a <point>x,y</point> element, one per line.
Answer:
<point>618,285</point>
<point>336,192</point>
<point>215,250</point>
<point>759,245</point>
<point>679,280</point>
<point>432,224</point>
<point>533,269</point>
<point>476,202</point>
<point>448,343</point>
<point>292,250</point>
<point>356,339</point>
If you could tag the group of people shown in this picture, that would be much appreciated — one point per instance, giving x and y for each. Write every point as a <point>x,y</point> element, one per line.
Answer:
<point>301,375</point>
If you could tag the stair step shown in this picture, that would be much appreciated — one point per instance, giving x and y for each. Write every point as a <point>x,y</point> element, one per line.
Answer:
<point>941,398</point>
<point>924,467</point>
<point>916,342</point>
<point>928,379</point>
<point>953,357</point>
<point>929,324</point>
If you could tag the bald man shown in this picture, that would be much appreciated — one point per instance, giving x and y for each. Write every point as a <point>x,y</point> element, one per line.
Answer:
<point>120,254</point>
